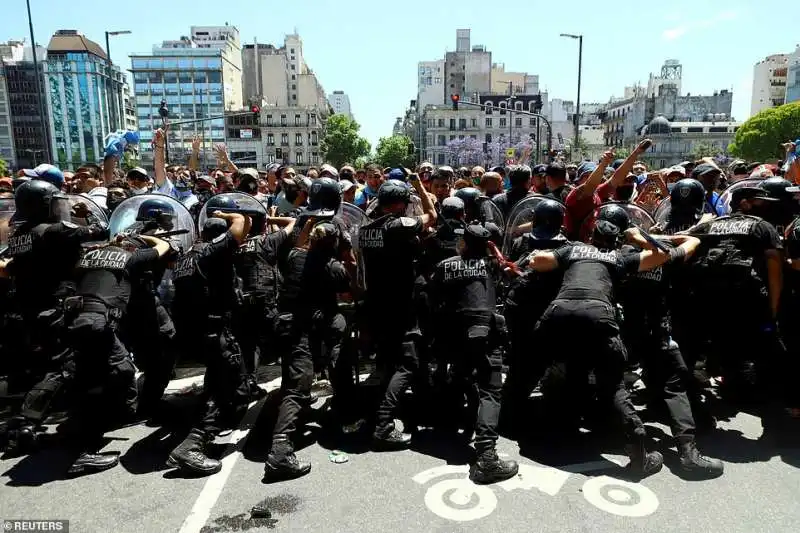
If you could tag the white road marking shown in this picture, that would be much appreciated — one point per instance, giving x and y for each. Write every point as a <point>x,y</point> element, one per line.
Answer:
<point>208,497</point>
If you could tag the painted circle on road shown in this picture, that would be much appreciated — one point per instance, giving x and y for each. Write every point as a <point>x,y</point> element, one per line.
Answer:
<point>460,500</point>
<point>620,498</point>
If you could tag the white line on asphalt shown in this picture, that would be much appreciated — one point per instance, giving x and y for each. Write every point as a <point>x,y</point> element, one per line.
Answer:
<point>208,497</point>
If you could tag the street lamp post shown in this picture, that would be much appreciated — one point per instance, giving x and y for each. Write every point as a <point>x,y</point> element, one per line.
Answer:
<point>112,34</point>
<point>42,107</point>
<point>120,104</point>
<point>578,103</point>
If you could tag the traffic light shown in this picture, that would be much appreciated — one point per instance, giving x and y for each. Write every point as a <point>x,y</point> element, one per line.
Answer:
<point>256,111</point>
<point>454,99</point>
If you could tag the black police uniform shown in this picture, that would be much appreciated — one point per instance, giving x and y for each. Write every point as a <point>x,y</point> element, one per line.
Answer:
<point>104,278</point>
<point>580,327</point>
<point>256,263</point>
<point>730,270</point>
<point>561,193</point>
<point>308,315</point>
<point>205,298</point>
<point>389,246</point>
<point>507,200</point>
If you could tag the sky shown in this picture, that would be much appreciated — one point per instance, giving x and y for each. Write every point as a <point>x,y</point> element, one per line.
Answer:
<point>370,49</point>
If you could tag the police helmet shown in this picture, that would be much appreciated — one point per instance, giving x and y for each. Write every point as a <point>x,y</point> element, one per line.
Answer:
<point>468,195</point>
<point>452,208</point>
<point>476,235</point>
<point>34,201</point>
<point>324,197</point>
<point>605,235</point>
<point>615,214</point>
<point>687,195</point>
<point>393,191</point>
<point>155,210</point>
<point>213,228</point>
<point>221,202</point>
<point>548,217</point>
<point>777,188</point>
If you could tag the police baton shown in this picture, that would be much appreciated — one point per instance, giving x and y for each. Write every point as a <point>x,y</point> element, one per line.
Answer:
<point>652,240</point>
<point>248,212</point>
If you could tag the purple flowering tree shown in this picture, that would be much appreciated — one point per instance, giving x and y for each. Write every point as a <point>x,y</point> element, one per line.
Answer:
<point>465,152</point>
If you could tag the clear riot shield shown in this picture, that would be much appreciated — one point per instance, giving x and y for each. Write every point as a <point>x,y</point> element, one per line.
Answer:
<point>491,213</point>
<point>124,218</point>
<point>723,205</point>
<point>638,215</point>
<point>519,220</point>
<point>661,214</point>
<point>243,201</point>
<point>94,209</point>
<point>354,218</point>
<point>7,209</point>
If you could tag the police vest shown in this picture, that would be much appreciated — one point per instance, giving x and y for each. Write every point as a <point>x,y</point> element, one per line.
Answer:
<point>22,243</point>
<point>729,252</point>
<point>257,274</point>
<point>467,283</point>
<point>108,259</point>
<point>192,299</point>
<point>534,290</point>
<point>586,252</point>
<point>388,261</point>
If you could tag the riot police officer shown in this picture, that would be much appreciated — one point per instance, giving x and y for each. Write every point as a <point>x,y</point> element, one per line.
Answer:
<point>147,329</point>
<point>205,298</point>
<point>528,296</point>
<point>520,179</point>
<point>389,246</point>
<point>740,266</point>
<point>308,314</point>
<point>782,212</point>
<point>463,296</point>
<point>43,247</point>
<point>686,203</point>
<point>105,276</point>
<point>477,206</point>
<point>582,321</point>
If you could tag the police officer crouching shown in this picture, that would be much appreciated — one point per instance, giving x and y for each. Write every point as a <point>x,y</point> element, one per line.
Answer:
<point>463,293</point>
<point>205,298</point>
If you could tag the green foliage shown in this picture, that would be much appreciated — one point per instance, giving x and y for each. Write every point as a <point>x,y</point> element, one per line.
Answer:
<point>341,142</point>
<point>760,138</point>
<point>361,162</point>
<point>703,149</point>
<point>3,168</point>
<point>621,153</point>
<point>395,151</point>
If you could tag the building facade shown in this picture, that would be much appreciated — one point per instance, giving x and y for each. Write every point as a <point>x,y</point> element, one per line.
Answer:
<point>84,99</point>
<point>340,103</point>
<point>7,151</point>
<point>674,142</point>
<point>288,135</point>
<point>513,82</point>
<point>769,83</point>
<point>196,82</point>
<point>793,77</point>
<point>468,70</point>
<point>30,134</point>
<point>430,83</point>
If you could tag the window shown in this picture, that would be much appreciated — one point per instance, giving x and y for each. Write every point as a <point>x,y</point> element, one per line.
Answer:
<point>663,163</point>
<point>460,137</point>
<point>532,122</point>
<point>441,141</point>
<point>270,158</point>
<point>518,106</point>
<point>440,159</point>
<point>294,77</point>
<point>312,120</point>
<point>488,137</point>
<point>298,139</point>
<point>294,87</point>
<point>462,123</point>
<point>518,122</point>
<point>297,120</point>
<point>291,50</point>
<point>269,120</point>
<point>283,120</point>
<point>284,139</point>
<point>294,97</point>
<point>270,139</point>
<point>473,137</point>
<point>452,124</point>
<point>452,137</point>
<point>440,123</point>
<point>314,138</point>
<point>278,153</point>
<point>298,158</point>
<point>292,67</point>
<point>488,123</point>
<point>503,123</point>
<point>473,123</point>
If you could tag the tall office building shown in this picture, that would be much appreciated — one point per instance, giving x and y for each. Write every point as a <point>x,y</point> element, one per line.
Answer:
<point>197,77</point>
<point>84,99</point>
<point>769,83</point>
<point>793,77</point>
<point>340,103</point>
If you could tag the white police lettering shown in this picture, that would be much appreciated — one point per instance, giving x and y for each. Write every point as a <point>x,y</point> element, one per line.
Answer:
<point>219,238</point>
<point>249,247</point>
<point>184,267</point>
<point>651,275</point>
<point>20,244</point>
<point>408,222</point>
<point>464,269</point>
<point>107,259</point>
<point>732,227</point>
<point>581,253</point>
<point>370,238</point>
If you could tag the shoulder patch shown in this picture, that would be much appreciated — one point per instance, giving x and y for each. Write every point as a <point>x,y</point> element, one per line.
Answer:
<point>68,224</point>
<point>219,238</point>
<point>408,222</point>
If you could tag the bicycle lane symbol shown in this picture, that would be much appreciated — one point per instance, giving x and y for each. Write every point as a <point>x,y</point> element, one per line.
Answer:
<point>460,500</point>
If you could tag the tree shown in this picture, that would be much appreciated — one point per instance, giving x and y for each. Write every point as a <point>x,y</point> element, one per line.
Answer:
<point>620,152</point>
<point>463,152</point>
<point>395,151</point>
<point>703,149</point>
<point>761,137</point>
<point>3,168</point>
<point>341,143</point>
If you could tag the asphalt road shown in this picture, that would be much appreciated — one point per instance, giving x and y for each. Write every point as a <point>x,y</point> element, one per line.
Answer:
<point>565,488</point>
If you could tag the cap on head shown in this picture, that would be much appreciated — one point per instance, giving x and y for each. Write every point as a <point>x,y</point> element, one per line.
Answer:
<point>397,174</point>
<point>137,174</point>
<point>749,193</point>
<point>452,208</point>
<point>329,171</point>
<point>392,191</point>
<point>46,172</point>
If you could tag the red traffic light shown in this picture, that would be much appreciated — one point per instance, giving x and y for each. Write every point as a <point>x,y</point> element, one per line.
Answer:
<point>454,98</point>
<point>255,109</point>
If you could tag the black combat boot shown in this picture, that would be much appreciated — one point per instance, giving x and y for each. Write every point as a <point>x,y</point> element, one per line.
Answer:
<point>190,455</point>
<point>88,463</point>
<point>643,463</point>
<point>282,463</point>
<point>390,439</point>
<point>696,466</point>
<point>489,468</point>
